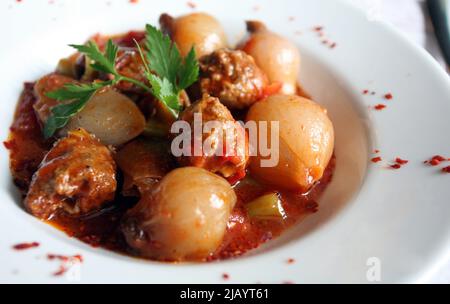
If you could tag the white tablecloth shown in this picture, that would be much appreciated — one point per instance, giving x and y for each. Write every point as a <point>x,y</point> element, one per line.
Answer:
<point>410,16</point>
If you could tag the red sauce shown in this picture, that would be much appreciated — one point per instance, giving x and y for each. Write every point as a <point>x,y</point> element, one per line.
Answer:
<point>25,144</point>
<point>101,229</point>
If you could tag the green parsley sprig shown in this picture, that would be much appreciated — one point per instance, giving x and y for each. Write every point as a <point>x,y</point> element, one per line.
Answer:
<point>167,73</point>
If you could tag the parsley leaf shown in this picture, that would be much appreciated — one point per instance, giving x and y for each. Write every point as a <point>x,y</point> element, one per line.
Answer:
<point>163,90</point>
<point>188,72</point>
<point>101,62</point>
<point>167,72</point>
<point>163,56</point>
<point>173,73</point>
<point>80,94</point>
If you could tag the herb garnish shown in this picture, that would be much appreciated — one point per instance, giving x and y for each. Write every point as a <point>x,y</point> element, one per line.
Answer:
<point>167,73</point>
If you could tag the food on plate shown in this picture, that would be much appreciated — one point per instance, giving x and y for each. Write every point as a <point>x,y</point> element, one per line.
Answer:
<point>275,55</point>
<point>111,116</point>
<point>154,162</point>
<point>181,218</point>
<point>230,165</point>
<point>154,143</point>
<point>77,176</point>
<point>198,30</point>
<point>43,86</point>
<point>233,77</point>
<point>306,141</point>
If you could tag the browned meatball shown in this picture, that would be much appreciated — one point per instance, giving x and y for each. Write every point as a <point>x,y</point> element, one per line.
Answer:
<point>43,86</point>
<point>228,156</point>
<point>77,176</point>
<point>233,77</point>
<point>129,64</point>
<point>143,163</point>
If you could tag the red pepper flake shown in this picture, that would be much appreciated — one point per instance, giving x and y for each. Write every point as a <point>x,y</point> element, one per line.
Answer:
<point>333,45</point>
<point>134,1</point>
<point>58,257</point>
<point>376,151</point>
<point>78,257</point>
<point>24,246</point>
<point>291,261</point>
<point>446,169</point>
<point>388,96</point>
<point>318,28</point>
<point>365,92</point>
<point>436,160</point>
<point>225,276</point>
<point>65,258</point>
<point>401,162</point>
<point>61,270</point>
<point>18,1</point>
<point>395,166</point>
<point>66,262</point>
<point>376,159</point>
<point>191,4</point>
<point>380,107</point>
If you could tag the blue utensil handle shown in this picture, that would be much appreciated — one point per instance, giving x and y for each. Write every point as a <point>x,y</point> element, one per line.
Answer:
<point>440,16</point>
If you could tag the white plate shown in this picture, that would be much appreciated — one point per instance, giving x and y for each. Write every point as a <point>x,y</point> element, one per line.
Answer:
<point>400,217</point>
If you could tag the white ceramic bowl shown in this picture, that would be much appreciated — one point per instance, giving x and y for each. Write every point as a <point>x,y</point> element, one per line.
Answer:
<point>370,216</point>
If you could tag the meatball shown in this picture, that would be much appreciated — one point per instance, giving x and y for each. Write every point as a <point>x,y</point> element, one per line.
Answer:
<point>198,30</point>
<point>233,77</point>
<point>225,146</point>
<point>143,163</point>
<point>77,176</point>
<point>129,64</point>
<point>306,141</point>
<point>43,86</point>
<point>184,218</point>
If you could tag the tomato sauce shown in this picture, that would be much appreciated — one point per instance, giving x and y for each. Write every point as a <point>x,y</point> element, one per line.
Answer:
<point>102,229</point>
